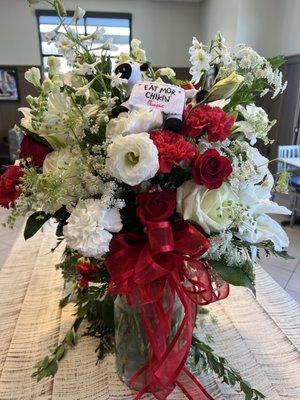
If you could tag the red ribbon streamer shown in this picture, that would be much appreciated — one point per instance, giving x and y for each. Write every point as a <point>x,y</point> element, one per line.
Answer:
<point>142,266</point>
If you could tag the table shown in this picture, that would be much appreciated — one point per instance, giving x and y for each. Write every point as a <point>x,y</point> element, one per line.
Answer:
<point>260,337</point>
<point>294,161</point>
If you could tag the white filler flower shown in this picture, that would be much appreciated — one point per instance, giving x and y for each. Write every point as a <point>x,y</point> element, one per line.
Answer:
<point>89,226</point>
<point>133,159</point>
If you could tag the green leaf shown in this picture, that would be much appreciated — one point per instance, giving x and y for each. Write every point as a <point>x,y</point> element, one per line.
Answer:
<point>220,366</point>
<point>59,230</point>
<point>34,223</point>
<point>276,62</point>
<point>52,368</point>
<point>70,338</point>
<point>233,276</point>
<point>64,301</point>
<point>60,352</point>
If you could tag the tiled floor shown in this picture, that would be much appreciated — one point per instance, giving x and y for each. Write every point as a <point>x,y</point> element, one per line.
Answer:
<point>285,272</point>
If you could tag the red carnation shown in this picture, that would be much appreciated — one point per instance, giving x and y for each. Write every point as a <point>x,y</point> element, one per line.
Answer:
<point>211,169</point>
<point>87,272</point>
<point>155,206</point>
<point>8,186</point>
<point>212,120</point>
<point>30,148</point>
<point>172,149</point>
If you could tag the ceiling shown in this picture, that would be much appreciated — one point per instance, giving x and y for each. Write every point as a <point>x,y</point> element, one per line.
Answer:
<point>180,1</point>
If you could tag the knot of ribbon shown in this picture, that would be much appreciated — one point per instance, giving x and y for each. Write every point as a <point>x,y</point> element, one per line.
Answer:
<point>152,269</point>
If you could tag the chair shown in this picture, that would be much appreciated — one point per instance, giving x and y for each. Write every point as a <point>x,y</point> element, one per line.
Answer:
<point>291,152</point>
<point>287,152</point>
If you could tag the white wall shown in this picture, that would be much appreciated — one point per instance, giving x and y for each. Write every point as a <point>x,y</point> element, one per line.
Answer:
<point>270,26</point>
<point>166,29</point>
<point>218,16</point>
<point>289,32</point>
<point>260,23</point>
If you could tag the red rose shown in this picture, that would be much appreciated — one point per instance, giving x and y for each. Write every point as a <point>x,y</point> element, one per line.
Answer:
<point>212,120</point>
<point>34,150</point>
<point>87,272</point>
<point>172,149</point>
<point>211,169</point>
<point>8,186</point>
<point>155,206</point>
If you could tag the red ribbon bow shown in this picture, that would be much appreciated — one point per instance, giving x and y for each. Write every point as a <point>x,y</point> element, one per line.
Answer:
<point>142,266</point>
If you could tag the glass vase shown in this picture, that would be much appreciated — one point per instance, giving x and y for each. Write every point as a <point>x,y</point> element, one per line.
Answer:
<point>132,346</point>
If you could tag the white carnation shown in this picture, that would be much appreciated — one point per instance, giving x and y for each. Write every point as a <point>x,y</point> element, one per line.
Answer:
<point>132,159</point>
<point>89,226</point>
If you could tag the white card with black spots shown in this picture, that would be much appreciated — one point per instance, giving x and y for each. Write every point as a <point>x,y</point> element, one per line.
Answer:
<point>169,99</point>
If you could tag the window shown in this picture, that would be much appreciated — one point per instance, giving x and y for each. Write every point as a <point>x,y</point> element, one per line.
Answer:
<point>117,26</point>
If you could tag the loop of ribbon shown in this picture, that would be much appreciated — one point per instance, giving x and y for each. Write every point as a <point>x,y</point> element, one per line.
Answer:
<point>151,269</point>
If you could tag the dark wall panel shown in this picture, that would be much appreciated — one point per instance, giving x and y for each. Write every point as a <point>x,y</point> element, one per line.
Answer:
<point>9,114</point>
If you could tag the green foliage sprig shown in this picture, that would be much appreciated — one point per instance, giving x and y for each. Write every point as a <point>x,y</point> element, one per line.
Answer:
<point>206,359</point>
<point>94,305</point>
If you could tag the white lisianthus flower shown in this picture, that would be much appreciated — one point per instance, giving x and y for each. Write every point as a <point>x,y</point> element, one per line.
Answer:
<point>206,208</point>
<point>33,76</point>
<point>168,72</point>
<point>89,228</point>
<point>133,159</point>
<point>141,119</point>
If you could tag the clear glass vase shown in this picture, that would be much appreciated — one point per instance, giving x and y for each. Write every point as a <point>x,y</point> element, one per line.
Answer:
<point>132,346</point>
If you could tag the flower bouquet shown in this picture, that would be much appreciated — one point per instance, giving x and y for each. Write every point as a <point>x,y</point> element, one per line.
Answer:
<point>159,196</point>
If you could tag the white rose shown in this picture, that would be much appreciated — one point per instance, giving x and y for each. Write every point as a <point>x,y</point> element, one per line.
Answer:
<point>88,228</point>
<point>133,159</point>
<point>140,119</point>
<point>205,207</point>
<point>63,160</point>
